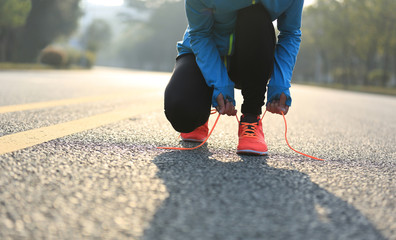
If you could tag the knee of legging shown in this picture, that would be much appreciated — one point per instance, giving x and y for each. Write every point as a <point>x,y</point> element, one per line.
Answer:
<point>183,118</point>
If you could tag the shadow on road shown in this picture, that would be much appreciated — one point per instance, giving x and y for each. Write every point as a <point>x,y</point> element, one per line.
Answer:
<point>247,199</point>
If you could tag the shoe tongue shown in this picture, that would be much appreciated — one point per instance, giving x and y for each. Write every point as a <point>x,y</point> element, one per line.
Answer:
<point>249,118</point>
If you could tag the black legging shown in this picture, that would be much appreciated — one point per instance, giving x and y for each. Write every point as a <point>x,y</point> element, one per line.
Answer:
<point>188,98</point>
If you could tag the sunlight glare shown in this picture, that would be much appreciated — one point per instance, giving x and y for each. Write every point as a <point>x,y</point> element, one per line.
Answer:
<point>107,2</point>
<point>308,2</point>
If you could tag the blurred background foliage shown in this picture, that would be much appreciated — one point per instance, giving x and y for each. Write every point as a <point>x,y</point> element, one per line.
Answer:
<point>345,42</point>
<point>28,26</point>
<point>13,14</point>
<point>349,42</point>
<point>151,44</point>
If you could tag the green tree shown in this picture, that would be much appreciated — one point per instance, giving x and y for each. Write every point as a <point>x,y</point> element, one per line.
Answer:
<point>352,41</point>
<point>13,14</point>
<point>97,35</point>
<point>47,20</point>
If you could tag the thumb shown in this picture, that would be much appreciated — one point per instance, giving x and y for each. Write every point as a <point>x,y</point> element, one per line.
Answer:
<point>221,104</point>
<point>282,101</point>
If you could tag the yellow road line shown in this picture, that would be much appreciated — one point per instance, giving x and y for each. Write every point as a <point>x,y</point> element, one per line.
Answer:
<point>38,105</point>
<point>17,141</point>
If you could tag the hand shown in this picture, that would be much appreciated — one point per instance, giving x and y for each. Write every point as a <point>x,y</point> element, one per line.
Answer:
<point>225,106</point>
<point>278,106</point>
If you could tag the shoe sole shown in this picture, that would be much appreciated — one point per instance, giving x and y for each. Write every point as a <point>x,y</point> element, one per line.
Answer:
<point>193,140</point>
<point>251,152</point>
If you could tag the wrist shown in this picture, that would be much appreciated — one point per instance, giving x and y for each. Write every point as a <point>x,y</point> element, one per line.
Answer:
<point>274,93</point>
<point>227,92</point>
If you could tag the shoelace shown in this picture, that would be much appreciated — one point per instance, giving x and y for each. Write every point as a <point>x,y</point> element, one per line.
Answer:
<point>248,129</point>
<point>214,125</point>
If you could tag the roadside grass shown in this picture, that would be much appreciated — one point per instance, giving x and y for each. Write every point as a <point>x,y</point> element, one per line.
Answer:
<point>32,66</point>
<point>367,89</point>
<point>23,66</point>
<point>355,88</point>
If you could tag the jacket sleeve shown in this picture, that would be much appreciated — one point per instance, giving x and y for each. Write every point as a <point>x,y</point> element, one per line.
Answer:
<point>200,20</point>
<point>289,38</point>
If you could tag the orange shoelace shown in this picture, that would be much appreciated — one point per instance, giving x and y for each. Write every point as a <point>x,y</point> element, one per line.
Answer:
<point>214,125</point>
<point>248,129</point>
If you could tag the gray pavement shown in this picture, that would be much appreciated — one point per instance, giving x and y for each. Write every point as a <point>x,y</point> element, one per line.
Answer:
<point>112,183</point>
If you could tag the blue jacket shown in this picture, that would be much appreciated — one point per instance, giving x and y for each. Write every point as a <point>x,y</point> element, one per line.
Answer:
<point>210,36</point>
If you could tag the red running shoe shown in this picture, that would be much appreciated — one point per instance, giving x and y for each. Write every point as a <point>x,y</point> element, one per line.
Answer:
<point>251,137</point>
<point>198,135</point>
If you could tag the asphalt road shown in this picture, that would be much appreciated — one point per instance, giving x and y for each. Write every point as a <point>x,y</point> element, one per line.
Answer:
<point>78,160</point>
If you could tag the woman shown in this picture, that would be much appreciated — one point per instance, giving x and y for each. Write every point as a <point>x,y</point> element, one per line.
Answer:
<point>231,44</point>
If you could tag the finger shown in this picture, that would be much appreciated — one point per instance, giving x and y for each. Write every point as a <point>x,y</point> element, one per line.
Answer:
<point>286,110</point>
<point>230,109</point>
<point>221,109</point>
<point>269,108</point>
<point>282,102</point>
<point>280,109</point>
<point>274,106</point>
<point>283,99</point>
<point>233,111</point>
<point>221,104</point>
